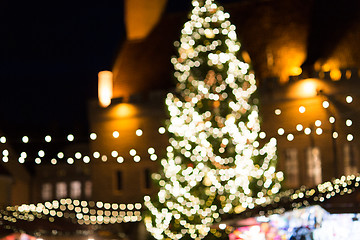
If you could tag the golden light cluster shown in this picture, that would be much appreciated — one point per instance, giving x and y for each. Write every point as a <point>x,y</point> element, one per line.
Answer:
<point>42,155</point>
<point>82,212</point>
<point>223,171</point>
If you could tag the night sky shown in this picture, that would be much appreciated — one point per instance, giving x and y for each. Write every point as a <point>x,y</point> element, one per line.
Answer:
<point>50,55</point>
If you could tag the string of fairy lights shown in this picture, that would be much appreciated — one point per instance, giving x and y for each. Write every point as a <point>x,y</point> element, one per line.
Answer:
<point>78,211</point>
<point>304,197</point>
<point>77,155</point>
<point>317,124</point>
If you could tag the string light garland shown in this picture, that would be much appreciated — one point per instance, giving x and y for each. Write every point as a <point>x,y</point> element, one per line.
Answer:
<point>70,159</point>
<point>298,198</point>
<point>215,160</point>
<point>79,211</point>
<point>290,135</point>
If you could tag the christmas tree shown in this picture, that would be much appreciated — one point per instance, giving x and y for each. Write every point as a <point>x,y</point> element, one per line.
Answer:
<point>216,163</point>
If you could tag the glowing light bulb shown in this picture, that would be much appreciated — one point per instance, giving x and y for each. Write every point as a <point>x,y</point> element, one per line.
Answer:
<point>70,137</point>
<point>281,131</point>
<point>47,138</point>
<point>335,135</point>
<point>331,119</point>
<point>162,130</point>
<point>349,99</point>
<point>93,136</point>
<point>348,122</point>
<point>290,137</point>
<point>41,153</point>
<point>25,139</point>
<point>302,109</point>
<point>116,134</point>
<point>139,132</point>
<point>325,104</point>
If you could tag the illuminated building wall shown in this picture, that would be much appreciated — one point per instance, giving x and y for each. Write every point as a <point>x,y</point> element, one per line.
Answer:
<point>130,142</point>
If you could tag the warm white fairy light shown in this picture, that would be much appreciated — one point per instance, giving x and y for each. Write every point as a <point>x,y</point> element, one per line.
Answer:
<point>281,131</point>
<point>139,132</point>
<point>3,139</point>
<point>132,152</point>
<point>290,137</point>
<point>93,136</point>
<point>41,153</point>
<point>94,213</point>
<point>70,137</point>
<point>349,99</point>
<point>318,123</point>
<point>86,159</point>
<point>47,138</point>
<point>325,104</point>
<point>348,122</point>
<point>114,154</point>
<point>116,134</point>
<point>120,159</point>
<point>162,130</point>
<point>96,154</point>
<point>299,127</point>
<point>25,139</point>
<point>78,155</point>
<point>307,131</point>
<point>335,135</point>
<point>331,119</point>
<point>302,109</point>
<point>70,161</point>
<point>319,131</point>
<point>208,150</point>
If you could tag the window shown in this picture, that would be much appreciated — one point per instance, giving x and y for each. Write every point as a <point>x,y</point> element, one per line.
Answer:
<point>88,189</point>
<point>350,161</point>
<point>46,191</point>
<point>314,165</point>
<point>292,167</point>
<point>75,190</point>
<point>147,178</point>
<point>61,190</point>
<point>119,180</point>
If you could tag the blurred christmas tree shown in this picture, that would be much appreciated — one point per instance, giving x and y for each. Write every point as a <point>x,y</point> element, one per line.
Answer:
<point>215,164</point>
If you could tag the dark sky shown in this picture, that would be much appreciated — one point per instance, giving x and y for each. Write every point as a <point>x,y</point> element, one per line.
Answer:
<point>50,54</point>
<point>50,57</point>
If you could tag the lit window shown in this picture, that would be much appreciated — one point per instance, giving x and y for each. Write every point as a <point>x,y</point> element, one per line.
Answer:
<point>75,189</point>
<point>46,191</point>
<point>350,160</point>
<point>292,167</point>
<point>314,165</point>
<point>88,189</point>
<point>61,190</point>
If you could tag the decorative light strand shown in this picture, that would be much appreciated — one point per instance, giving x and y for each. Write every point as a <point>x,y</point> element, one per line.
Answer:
<point>82,212</point>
